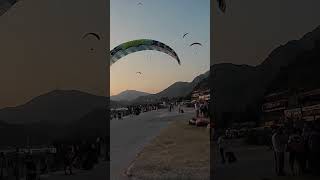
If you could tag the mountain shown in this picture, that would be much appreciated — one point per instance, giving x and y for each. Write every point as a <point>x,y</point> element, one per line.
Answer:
<point>55,107</point>
<point>237,88</point>
<point>301,74</point>
<point>128,95</point>
<point>181,89</point>
<point>177,89</point>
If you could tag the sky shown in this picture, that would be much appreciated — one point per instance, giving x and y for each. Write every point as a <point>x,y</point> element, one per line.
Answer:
<point>166,21</point>
<point>42,49</point>
<point>251,29</point>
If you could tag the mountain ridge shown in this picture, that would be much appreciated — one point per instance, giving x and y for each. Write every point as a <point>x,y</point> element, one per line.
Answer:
<point>58,106</point>
<point>128,95</point>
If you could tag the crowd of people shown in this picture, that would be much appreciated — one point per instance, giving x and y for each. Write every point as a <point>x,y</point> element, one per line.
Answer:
<point>202,109</point>
<point>133,110</point>
<point>137,109</point>
<point>302,146</point>
<point>68,156</point>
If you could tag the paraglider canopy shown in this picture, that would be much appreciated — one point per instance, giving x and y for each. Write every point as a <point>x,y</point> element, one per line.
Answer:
<point>185,35</point>
<point>129,47</point>
<point>195,44</point>
<point>91,34</point>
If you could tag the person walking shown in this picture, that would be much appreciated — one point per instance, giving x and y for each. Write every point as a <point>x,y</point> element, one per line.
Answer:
<point>279,151</point>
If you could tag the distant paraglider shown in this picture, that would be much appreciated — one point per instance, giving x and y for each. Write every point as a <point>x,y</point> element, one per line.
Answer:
<point>91,34</point>
<point>140,3</point>
<point>185,35</point>
<point>138,73</point>
<point>141,45</point>
<point>222,5</point>
<point>95,35</point>
<point>196,43</point>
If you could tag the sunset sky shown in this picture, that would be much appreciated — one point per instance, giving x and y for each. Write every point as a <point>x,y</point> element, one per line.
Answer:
<point>166,21</point>
<point>42,50</point>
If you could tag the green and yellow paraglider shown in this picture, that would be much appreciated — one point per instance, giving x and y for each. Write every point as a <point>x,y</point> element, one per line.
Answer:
<point>129,47</point>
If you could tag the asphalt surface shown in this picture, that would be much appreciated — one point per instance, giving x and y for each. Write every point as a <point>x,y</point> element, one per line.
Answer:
<point>128,136</point>
<point>98,173</point>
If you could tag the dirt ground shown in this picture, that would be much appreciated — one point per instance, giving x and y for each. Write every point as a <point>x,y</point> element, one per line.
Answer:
<point>181,151</point>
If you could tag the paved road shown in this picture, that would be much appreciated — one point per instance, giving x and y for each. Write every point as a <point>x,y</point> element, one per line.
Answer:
<point>98,173</point>
<point>128,136</point>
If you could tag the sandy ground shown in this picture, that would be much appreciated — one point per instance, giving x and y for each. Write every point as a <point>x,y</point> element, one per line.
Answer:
<point>180,151</point>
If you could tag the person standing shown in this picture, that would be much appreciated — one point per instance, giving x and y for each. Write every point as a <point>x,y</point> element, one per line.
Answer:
<point>68,161</point>
<point>314,146</point>
<point>279,151</point>
<point>30,168</point>
<point>17,165</point>
<point>222,147</point>
<point>296,149</point>
<point>2,165</point>
<point>306,136</point>
<point>196,107</point>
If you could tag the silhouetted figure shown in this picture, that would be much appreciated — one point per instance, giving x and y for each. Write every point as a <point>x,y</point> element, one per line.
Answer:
<point>68,156</point>
<point>107,150</point>
<point>31,169</point>
<point>314,146</point>
<point>43,164</point>
<point>196,107</point>
<point>2,165</point>
<point>222,147</point>
<point>279,143</point>
<point>90,159</point>
<point>16,165</point>
<point>296,148</point>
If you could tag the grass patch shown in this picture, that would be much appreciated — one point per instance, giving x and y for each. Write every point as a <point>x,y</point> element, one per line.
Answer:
<point>180,151</point>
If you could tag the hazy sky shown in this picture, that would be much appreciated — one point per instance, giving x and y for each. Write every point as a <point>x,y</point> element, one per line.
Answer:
<point>41,49</point>
<point>165,21</point>
<point>251,29</point>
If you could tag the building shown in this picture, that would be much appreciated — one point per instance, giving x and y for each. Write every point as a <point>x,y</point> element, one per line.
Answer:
<point>201,95</point>
<point>286,106</point>
<point>274,106</point>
